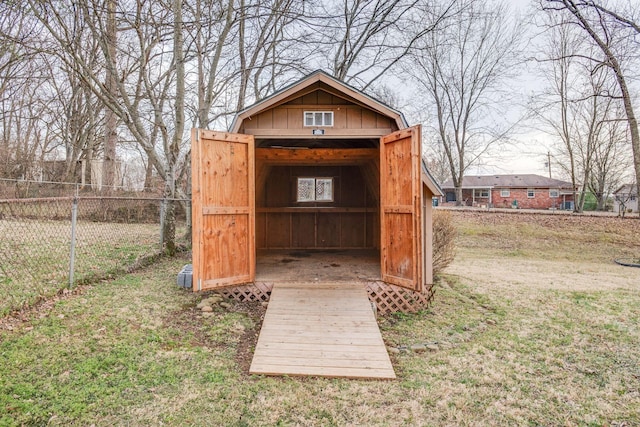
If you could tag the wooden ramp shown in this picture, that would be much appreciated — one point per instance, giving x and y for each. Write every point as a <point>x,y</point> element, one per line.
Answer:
<point>326,330</point>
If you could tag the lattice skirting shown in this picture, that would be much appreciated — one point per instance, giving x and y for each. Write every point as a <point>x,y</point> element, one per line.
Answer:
<point>387,298</point>
<point>392,299</point>
<point>258,291</point>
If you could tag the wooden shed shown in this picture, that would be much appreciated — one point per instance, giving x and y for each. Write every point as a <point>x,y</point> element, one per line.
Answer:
<point>318,168</point>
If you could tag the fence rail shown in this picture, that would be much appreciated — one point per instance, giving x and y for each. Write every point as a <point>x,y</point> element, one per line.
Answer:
<point>48,243</point>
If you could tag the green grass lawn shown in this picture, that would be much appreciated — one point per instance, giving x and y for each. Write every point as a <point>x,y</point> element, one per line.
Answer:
<point>35,254</point>
<point>134,351</point>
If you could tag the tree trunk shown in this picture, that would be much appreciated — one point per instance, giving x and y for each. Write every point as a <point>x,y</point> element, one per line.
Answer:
<point>459,201</point>
<point>111,120</point>
<point>612,62</point>
<point>169,225</point>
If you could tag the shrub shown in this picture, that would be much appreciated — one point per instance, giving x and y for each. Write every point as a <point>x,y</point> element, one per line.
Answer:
<point>444,234</point>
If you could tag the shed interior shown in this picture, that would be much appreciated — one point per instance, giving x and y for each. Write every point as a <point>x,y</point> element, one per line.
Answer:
<point>317,240</point>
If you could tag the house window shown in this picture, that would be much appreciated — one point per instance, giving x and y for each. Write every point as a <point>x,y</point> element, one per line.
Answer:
<point>482,193</point>
<point>315,190</point>
<point>554,194</point>
<point>505,192</point>
<point>531,193</point>
<point>318,118</point>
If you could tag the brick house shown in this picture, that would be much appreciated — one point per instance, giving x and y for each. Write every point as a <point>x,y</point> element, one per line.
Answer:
<point>526,191</point>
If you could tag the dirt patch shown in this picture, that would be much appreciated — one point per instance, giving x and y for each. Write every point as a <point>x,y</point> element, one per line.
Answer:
<point>188,319</point>
<point>515,253</point>
<point>519,275</point>
<point>248,341</point>
<point>41,308</point>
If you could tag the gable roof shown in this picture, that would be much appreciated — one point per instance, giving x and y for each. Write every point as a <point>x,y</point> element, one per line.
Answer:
<point>306,85</point>
<point>509,181</point>
<point>626,189</point>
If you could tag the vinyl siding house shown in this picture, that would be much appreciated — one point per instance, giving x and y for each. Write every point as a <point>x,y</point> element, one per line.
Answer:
<point>526,191</point>
<point>625,199</point>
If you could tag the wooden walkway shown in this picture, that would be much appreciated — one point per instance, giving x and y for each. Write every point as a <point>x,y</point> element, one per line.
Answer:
<point>326,330</point>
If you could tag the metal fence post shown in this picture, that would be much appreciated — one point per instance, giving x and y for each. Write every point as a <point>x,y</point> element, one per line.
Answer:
<point>72,255</point>
<point>162,213</point>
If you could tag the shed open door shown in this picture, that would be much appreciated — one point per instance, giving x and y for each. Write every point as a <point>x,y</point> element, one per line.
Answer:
<point>400,209</point>
<point>223,198</point>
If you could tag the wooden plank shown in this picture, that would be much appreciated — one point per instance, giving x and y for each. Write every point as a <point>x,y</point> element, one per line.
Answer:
<point>328,230</point>
<point>318,209</point>
<point>310,98</point>
<point>226,255</point>
<point>302,226</point>
<point>321,338</point>
<point>339,117</point>
<point>278,230</point>
<point>280,119</point>
<point>196,208</point>
<point>401,209</point>
<point>359,326</point>
<point>326,314</point>
<point>368,119</point>
<point>323,97</point>
<point>327,329</point>
<point>295,118</point>
<point>347,156</point>
<point>328,372</point>
<point>353,230</point>
<point>354,118</point>
<point>329,323</point>
<point>224,209</point>
<point>297,353</point>
<point>320,348</point>
<point>329,132</point>
<point>325,361</point>
<point>265,121</point>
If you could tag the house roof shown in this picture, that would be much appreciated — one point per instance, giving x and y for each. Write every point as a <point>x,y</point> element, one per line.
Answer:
<point>626,189</point>
<point>509,181</point>
<point>306,85</point>
<point>430,181</point>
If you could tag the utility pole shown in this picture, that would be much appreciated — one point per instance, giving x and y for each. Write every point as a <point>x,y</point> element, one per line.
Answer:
<point>549,162</point>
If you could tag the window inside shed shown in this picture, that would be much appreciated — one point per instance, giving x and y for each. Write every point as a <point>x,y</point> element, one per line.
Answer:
<point>315,190</point>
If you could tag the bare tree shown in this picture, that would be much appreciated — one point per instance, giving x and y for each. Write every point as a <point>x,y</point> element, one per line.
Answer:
<point>361,41</point>
<point>437,162</point>
<point>150,68</point>
<point>611,157</point>
<point>111,119</point>
<point>267,39</point>
<point>463,67</point>
<point>209,37</point>
<point>599,23</point>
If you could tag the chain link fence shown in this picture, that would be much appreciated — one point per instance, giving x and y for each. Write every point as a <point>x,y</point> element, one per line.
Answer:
<point>52,238</point>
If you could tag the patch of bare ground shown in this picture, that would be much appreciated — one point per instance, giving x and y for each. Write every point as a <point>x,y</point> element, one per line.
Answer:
<point>521,252</point>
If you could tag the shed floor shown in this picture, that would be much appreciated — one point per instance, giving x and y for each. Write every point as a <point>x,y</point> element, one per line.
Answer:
<point>326,330</point>
<point>296,265</point>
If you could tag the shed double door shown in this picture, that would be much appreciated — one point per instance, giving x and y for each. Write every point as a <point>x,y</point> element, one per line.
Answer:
<point>401,231</point>
<point>223,199</point>
<point>223,209</point>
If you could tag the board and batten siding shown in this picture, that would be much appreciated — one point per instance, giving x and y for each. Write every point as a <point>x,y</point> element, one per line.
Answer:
<point>350,221</point>
<point>348,119</point>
